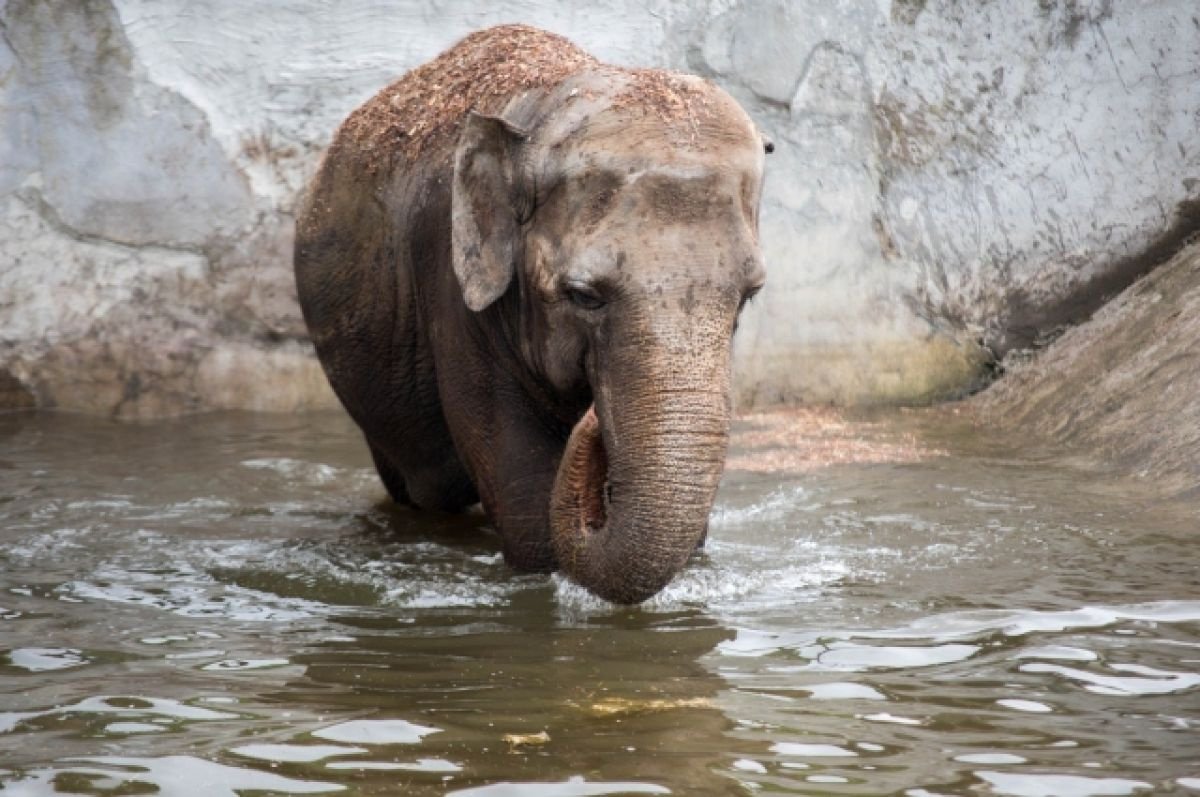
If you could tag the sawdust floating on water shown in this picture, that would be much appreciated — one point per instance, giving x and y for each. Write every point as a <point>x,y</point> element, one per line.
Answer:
<point>518,740</point>
<point>615,706</point>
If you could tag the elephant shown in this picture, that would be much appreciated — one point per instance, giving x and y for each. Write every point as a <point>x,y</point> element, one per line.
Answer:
<point>521,270</point>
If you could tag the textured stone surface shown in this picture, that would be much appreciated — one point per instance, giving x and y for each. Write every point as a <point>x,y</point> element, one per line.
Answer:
<point>951,180</point>
<point>1122,388</point>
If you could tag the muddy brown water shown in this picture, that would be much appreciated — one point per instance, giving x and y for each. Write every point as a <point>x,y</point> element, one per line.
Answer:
<point>223,605</point>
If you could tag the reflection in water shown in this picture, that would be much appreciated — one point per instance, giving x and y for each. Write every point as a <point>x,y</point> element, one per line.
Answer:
<point>526,698</point>
<point>1047,785</point>
<point>375,732</point>
<point>572,787</point>
<point>39,659</point>
<point>294,753</point>
<point>222,605</point>
<point>1154,682</point>
<point>168,775</point>
<point>102,709</point>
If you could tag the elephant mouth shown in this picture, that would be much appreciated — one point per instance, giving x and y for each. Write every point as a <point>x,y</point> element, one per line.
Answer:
<point>586,475</point>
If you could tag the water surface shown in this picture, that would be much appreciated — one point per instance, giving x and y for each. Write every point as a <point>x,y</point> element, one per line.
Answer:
<point>225,604</point>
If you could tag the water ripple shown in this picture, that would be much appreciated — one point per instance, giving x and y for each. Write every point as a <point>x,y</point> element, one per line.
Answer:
<point>117,705</point>
<point>184,776</point>
<point>1048,785</point>
<point>957,626</point>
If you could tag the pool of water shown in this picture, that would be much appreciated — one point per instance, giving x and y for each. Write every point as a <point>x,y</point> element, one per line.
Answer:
<point>225,604</point>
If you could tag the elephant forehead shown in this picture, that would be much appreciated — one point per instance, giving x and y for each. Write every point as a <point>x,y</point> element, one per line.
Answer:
<point>647,145</point>
<point>663,184</point>
<point>609,116</point>
<point>602,196</point>
<point>663,173</point>
<point>656,178</point>
<point>671,196</point>
<point>657,217</point>
<point>657,261</point>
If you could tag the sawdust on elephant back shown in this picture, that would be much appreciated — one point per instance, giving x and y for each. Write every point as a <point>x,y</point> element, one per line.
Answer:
<point>672,97</point>
<point>482,72</point>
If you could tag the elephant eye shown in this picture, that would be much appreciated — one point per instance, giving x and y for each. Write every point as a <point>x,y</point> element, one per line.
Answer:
<point>748,296</point>
<point>583,296</point>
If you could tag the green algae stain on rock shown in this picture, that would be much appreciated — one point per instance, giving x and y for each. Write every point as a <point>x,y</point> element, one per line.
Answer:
<point>904,372</point>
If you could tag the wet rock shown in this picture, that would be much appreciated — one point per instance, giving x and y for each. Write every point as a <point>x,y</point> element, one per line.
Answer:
<point>1121,389</point>
<point>14,395</point>
<point>955,177</point>
<point>136,249</point>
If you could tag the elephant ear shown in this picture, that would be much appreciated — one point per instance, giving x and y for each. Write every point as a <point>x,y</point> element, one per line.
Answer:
<point>484,208</point>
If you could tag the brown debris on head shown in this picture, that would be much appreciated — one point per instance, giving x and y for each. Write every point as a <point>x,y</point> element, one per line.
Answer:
<point>484,71</point>
<point>673,97</point>
<point>479,73</point>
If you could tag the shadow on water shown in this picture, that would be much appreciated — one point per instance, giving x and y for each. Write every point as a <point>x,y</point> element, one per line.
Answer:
<point>223,605</point>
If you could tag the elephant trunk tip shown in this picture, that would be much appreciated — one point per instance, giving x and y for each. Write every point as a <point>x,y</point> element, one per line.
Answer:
<point>614,556</point>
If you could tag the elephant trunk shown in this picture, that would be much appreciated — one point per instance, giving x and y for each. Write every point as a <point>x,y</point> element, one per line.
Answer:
<point>636,484</point>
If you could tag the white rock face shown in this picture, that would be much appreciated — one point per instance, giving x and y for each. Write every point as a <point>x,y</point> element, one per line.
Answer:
<point>950,179</point>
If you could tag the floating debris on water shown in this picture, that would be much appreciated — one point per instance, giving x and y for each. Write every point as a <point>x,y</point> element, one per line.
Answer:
<point>518,740</point>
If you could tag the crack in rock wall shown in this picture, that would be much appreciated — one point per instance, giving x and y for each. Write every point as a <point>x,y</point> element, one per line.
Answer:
<point>951,181</point>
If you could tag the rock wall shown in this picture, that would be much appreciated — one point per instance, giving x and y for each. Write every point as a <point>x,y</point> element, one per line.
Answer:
<point>951,180</point>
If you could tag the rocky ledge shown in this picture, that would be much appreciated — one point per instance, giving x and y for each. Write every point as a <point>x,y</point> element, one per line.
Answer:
<point>1123,388</point>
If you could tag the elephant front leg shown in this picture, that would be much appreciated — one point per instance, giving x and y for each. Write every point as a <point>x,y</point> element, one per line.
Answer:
<point>514,468</point>
<point>391,477</point>
<point>521,515</point>
<point>511,444</point>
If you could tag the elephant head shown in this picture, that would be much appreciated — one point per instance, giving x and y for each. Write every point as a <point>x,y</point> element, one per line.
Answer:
<point>611,224</point>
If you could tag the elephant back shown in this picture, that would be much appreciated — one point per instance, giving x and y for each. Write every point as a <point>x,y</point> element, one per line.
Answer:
<point>423,111</point>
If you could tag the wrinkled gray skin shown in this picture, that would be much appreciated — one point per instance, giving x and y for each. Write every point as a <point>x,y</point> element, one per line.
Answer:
<point>541,316</point>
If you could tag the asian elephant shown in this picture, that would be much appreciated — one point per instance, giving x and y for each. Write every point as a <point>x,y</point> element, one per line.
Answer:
<point>522,269</point>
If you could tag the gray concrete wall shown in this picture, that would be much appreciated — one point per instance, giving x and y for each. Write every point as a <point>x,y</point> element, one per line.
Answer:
<point>951,180</point>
